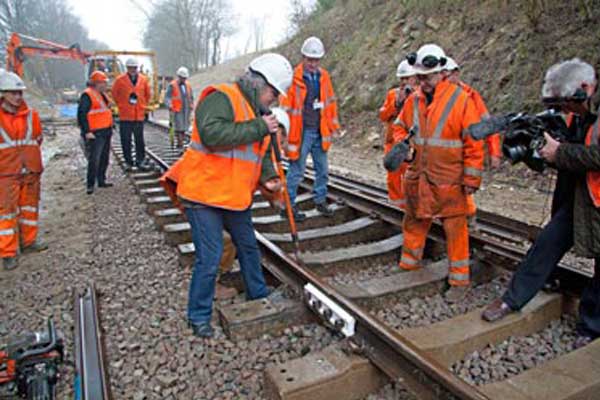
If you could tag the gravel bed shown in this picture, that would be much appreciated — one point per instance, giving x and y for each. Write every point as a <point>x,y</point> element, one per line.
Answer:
<point>420,311</point>
<point>391,391</point>
<point>517,354</point>
<point>379,271</point>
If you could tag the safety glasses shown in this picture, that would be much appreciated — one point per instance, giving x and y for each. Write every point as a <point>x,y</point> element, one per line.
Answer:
<point>428,61</point>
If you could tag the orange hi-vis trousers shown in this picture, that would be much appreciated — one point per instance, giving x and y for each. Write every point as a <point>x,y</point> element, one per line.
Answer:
<point>19,200</point>
<point>471,206</point>
<point>457,245</point>
<point>395,189</point>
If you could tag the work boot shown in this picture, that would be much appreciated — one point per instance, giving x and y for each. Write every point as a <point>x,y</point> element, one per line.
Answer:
<point>90,190</point>
<point>325,210</point>
<point>105,185</point>
<point>496,310</point>
<point>36,246</point>
<point>10,263</point>
<point>299,216</point>
<point>202,330</point>
<point>128,167</point>
<point>582,341</point>
<point>456,293</point>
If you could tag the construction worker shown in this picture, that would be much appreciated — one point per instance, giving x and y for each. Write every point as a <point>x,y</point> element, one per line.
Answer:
<point>569,86</point>
<point>446,168</point>
<point>131,92</point>
<point>494,146</point>
<point>314,122</point>
<point>387,114</point>
<point>20,171</point>
<point>94,117</point>
<point>227,159</point>
<point>180,100</point>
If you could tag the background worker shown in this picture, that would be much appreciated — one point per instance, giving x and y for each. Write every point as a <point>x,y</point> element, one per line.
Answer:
<point>131,92</point>
<point>94,117</point>
<point>387,114</point>
<point>20,171</point>
<point>180,100</point>
<point>575,221</point>
<point>447,166</point>
<point>227,159</point>
<point>312,107</point>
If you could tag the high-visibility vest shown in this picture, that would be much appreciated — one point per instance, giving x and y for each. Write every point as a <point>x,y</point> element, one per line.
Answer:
<point>293,103</point>
<point>176,100</point>
<point>593,177</point>
<point>493,142</point>
<point>223,178</point>
<point>99,116</point>
<point>20,137</point>
<point>446,158</point>
<point>121,92</point>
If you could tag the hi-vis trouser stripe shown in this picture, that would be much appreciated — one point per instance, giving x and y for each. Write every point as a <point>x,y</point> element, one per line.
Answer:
<point>459,270</point>
<point>7,232</point>
<point>8,142</point>
<point>7,217</point>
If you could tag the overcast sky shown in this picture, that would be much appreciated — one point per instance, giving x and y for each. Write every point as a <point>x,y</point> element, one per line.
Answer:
<point>120,24</point>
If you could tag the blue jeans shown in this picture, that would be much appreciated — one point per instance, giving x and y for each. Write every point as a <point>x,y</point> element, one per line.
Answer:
<point>207,234</point>
<point>311,143</point>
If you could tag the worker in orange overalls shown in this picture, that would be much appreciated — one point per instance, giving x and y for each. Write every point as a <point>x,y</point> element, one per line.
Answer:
<point>131,92</point>
<point>446,167</point>
<point>493,141</point>
<point>20,171</point>
<point>387,114</point>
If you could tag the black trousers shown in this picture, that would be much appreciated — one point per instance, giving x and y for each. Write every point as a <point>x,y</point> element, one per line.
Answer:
<point>98,153</point>
<point>126,130</point>
<point>553,242</point>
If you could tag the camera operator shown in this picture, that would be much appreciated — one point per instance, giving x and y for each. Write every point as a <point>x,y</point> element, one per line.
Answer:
<point>575,220</point>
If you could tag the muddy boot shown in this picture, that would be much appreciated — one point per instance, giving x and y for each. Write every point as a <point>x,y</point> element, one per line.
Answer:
<point>35,247</point>
<point>10,263</point>
<point>224,292</point>
<point>457,293</point>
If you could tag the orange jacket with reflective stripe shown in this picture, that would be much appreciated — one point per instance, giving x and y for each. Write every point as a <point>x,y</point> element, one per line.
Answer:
<point>20,140</point>
<point>223,177</point>
<point>593,177</point>
<point>293,103</point>
<point>121,91</point>
<point>493,141</point>
<point>99,116</point>
<point>176,101</point>
<point>387,114</point>
<point>446,158</point>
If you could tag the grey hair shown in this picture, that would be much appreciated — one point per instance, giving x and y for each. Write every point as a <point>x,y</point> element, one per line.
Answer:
<point>254,80</point>
<point>564,78</point>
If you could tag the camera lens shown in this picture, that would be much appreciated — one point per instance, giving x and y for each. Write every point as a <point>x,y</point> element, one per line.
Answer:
<point>516,153</point>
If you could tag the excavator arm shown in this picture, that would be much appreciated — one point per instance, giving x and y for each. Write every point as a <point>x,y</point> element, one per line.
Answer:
<point>16,52</point>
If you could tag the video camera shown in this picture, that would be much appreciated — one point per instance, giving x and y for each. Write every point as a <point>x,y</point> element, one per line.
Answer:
<point>523,134</point>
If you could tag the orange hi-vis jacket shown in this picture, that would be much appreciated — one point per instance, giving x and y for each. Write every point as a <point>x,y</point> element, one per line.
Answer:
<point>121,91</point>
<point>224,177</point>
<point>293,103</point>
<point>387,114</point>
<point>493,142</point>
<point>176,100</point>
<point>100,115</point>
<point>20,139</point>
<point>447,159</point>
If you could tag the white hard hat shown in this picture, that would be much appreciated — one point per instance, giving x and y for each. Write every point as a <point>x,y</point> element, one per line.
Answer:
<point>276,69</point>
<point>131,62</point>
<point>429,59</point>
<point>404,70</point>
<point>183,72</point>
<point>313,48</point>
<point>9,81</point>
<point>451,65</point>
<point>282,117</point>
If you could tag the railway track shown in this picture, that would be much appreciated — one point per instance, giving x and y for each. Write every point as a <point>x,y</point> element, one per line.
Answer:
<point>350,259</point>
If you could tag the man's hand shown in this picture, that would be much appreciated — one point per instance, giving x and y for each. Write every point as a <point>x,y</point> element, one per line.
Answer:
<point>548,152</point>
<point>273,185</point>
<point>469,190</point>
<point>90,136</point>
<point>495,162</point>
<point>272,123</point>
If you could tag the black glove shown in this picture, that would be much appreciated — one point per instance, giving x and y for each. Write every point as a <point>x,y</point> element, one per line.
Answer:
<point>396,156</point>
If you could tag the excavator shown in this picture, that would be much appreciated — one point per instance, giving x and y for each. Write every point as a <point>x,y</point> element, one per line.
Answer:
<point>107,61</point>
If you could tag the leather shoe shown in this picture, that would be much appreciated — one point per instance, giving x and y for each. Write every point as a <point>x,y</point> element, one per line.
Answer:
<point>496,310</point>
<point>202,330</point>
<point>106,185</point>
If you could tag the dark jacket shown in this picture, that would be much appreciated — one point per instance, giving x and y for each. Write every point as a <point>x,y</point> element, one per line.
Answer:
<point>576,159</point>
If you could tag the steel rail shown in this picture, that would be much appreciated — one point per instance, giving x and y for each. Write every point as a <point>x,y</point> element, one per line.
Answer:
<point>91,376</point>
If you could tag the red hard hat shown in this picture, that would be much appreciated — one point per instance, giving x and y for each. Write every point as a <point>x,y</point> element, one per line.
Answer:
<point>98,76</point>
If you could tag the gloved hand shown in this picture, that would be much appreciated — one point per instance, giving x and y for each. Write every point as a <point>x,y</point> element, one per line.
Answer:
<point>396,156</point>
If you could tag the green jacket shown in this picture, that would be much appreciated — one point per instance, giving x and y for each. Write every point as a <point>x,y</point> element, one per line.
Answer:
<point>215,123</point>
<point>580,159</point>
